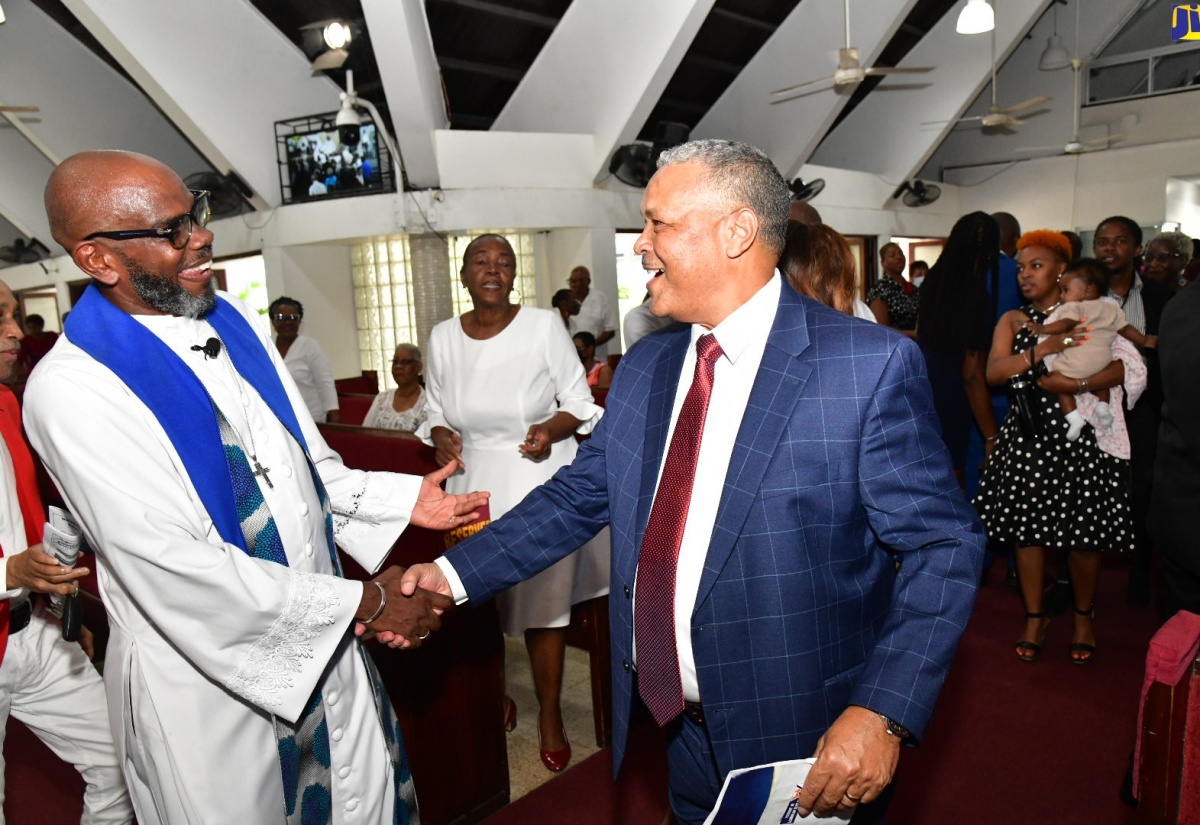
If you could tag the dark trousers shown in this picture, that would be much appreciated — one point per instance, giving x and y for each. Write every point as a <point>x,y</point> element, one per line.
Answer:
<point>1142,422</point>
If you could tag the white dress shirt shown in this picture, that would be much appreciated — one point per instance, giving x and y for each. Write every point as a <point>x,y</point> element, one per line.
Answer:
<point>12,525</point>
<point>743,338</point>
<point>596,316</point>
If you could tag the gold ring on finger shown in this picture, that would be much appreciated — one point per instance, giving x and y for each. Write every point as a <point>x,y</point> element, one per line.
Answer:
<point>852,798</point>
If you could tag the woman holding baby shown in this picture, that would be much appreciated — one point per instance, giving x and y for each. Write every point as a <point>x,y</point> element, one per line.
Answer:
<point>1041,489</point>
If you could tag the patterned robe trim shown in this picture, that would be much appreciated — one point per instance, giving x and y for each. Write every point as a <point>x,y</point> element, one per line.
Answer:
<point>277,656</point>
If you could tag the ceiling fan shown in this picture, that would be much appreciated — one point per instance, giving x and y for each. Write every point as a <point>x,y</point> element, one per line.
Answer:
<point>997,118</point>
<point>849,72</point>
<point>1075,146</point>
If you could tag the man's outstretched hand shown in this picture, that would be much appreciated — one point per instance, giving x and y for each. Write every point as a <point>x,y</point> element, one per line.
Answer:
<point>439,510</point>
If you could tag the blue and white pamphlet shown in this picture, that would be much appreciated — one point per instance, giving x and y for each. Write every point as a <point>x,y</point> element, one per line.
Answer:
<point>767,795</point>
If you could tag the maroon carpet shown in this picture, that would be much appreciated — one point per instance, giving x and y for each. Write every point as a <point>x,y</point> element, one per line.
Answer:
<point>1010,742</point>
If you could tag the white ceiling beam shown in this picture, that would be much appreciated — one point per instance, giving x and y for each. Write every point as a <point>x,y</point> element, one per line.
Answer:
<point>603,69</point>
<point>412,83</point>
<point>885,134</point>
<point>224,84</point>
<point>804,47</point>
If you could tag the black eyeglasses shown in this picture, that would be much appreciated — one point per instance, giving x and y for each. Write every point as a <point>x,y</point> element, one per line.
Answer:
<point>177,230</point>
<point>290,316</point>
<point>1162,257</point>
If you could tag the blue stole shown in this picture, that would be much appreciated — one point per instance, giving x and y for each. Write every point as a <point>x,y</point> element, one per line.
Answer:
<point>164,383</point>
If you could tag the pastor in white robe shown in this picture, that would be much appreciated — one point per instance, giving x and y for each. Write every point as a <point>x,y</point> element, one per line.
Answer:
<point>206,641</point>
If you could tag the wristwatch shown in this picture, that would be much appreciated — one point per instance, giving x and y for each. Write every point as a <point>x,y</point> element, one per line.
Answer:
<point>894,728</point>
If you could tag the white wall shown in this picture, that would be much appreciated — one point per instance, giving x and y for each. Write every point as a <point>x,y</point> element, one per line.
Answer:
<point>1079,191</point>
<point>319,277</point>
<point>1183,205</point>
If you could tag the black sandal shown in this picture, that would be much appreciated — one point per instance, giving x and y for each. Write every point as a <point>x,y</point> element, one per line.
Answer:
<point>1086,652</point>
<point>1030,651</point>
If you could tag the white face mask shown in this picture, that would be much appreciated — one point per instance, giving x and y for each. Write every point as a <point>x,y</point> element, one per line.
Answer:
<point>917,281</point>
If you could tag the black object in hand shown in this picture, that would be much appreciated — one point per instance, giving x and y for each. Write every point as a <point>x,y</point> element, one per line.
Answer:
<point>72,617</point>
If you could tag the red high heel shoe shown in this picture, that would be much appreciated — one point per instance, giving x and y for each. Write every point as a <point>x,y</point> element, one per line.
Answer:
<point>555,761</point>
<point>510,714</point>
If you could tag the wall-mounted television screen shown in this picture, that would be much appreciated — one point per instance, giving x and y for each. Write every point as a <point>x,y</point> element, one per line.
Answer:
<point>320,165</point>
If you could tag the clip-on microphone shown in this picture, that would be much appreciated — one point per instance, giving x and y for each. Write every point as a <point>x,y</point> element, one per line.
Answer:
<point>211,348</point>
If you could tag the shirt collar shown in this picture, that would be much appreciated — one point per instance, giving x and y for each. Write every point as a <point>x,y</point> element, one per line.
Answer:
<point>748,324</point>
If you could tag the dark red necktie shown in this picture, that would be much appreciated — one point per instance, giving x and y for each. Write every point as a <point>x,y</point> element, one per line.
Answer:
<point>654,606</point>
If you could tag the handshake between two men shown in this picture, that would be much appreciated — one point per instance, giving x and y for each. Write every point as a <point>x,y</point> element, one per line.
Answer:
<point>404,620</point>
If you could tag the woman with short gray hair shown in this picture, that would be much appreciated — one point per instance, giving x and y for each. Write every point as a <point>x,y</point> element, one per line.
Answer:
<point>1165,257</point>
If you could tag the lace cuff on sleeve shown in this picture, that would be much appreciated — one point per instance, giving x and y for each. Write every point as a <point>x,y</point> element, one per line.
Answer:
<point>375,501</point>
<point>267,670</point>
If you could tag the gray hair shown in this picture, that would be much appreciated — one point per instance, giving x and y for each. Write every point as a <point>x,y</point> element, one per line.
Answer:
<point>743,176</point>
<point>1178,243</point>
<point>416,352</point>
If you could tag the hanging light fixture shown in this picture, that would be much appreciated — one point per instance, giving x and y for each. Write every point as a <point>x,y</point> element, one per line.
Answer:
<point>1056,55</point>
<point>336,34</point>
<point>976,18</point>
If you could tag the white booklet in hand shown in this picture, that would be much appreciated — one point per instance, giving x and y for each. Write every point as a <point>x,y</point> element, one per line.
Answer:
<point>766,795</point>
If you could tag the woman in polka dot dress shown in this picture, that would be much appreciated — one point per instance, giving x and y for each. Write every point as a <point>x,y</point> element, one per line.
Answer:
<point>1044,491</point>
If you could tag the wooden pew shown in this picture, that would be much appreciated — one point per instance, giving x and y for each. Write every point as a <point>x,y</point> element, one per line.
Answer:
<point>448,693</point>
<point>354,406</point>
<point>366,384</point>
<point>1168,755</point>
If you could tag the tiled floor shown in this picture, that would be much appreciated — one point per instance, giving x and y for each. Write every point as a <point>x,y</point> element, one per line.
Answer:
<point>525,768</point>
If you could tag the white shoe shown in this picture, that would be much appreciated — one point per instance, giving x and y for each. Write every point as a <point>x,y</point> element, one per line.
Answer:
<point>1075,425</point>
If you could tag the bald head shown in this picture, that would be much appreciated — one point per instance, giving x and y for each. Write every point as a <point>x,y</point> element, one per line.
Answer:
<point>1010,231</point>
<point>96,191</point>
<point>804,213</point>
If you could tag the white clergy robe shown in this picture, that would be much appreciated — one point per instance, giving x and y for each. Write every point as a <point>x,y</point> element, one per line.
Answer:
<point>207,642</point>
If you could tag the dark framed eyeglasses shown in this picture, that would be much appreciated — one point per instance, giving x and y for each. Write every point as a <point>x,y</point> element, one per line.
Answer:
<point>404,362</point>
<point>287,316</point>
<point>177,230</point>
<point>1162,257</point>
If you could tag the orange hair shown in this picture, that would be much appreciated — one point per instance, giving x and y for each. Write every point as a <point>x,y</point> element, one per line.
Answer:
<point>1048,238</point>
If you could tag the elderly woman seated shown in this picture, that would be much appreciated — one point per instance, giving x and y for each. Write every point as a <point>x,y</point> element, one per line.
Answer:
<point>403,408</point>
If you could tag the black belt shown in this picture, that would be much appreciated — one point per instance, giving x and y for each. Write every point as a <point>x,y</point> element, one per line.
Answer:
<point>18,617</point>
<point>694,711</point>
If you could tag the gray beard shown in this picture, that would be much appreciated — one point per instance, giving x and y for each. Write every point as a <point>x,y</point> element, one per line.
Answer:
<point>169,297</point>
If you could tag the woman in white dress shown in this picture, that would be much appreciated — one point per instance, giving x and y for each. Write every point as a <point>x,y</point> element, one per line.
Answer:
<point>305,360</point>
<point>403,408</point>
<point>506,396</point>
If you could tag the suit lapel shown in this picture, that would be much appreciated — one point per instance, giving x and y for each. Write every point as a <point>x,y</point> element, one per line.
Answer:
<point>658,423</point>
<point>777,388</point>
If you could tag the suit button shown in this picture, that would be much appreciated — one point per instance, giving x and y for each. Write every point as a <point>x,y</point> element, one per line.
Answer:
<point>625,664</point>
<point>627,591</point>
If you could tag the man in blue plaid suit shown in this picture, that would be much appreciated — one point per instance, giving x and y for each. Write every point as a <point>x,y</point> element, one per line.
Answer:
<point>828,563</point>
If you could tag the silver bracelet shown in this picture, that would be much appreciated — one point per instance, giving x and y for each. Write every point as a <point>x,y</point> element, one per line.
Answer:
<point>1083,385</point>
<point>382,604</point>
